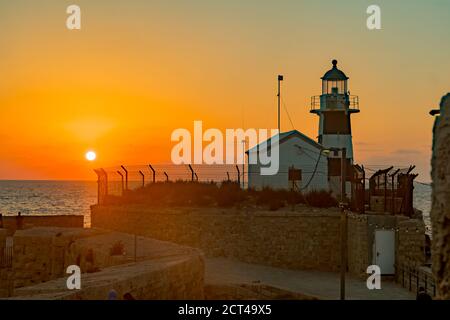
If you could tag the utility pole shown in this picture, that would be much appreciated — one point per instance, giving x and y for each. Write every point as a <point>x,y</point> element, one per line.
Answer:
<point>280,78</point>
<point>243,164</point>
<point>343,222</point>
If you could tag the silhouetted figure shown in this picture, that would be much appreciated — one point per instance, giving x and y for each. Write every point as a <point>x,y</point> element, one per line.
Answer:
<point>1,221</point>
<point>423,295</point>
<point>128,296</point>
<point>19,221</point>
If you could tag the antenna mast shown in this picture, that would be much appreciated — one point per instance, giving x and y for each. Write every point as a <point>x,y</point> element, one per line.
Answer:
<point>280,78</point>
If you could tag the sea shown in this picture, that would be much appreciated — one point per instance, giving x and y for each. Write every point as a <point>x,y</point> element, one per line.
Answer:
<point>76,197</point>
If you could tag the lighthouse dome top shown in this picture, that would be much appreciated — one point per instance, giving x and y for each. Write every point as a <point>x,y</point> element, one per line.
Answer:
<point>334,74</point>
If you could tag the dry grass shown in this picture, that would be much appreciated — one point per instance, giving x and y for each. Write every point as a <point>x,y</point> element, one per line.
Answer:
<point>225,194</point>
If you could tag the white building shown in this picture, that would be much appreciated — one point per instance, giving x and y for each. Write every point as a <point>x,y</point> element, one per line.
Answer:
<point>306,164</point>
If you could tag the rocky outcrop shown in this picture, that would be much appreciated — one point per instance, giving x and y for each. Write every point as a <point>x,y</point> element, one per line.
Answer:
<point>440,212</point>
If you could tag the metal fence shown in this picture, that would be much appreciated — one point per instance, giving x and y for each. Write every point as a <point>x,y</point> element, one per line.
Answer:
<point>413,278</point>
<point>117,180</point>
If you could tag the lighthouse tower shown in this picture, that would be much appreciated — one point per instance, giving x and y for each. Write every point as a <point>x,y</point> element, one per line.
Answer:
<point>334,107</point>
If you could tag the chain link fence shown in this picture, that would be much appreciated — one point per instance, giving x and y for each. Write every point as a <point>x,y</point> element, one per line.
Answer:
<point>117,180</point>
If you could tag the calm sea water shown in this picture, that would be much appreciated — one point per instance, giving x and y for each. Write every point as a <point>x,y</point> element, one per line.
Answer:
<point>75,197</point>
<point>48,197</point>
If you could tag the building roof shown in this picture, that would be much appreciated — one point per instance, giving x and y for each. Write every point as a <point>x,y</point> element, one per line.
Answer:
<point>334,73</point>
<point>284,136</point>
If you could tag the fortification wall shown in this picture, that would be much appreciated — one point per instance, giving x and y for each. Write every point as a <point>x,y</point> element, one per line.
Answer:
<point>63,221</point>
<point>305,239</point>
<point>146,268</point>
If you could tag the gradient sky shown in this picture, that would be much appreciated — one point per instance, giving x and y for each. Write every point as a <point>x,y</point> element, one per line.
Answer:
<point>140,69</point>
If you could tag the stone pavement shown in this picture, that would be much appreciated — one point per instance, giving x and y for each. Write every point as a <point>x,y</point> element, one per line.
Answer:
<point>322,285</point>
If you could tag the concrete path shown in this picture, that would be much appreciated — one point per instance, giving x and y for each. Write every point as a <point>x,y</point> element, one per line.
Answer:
<point>323,285</point>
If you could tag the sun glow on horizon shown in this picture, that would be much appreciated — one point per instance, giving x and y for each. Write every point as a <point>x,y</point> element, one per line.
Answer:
<point>91,155</point>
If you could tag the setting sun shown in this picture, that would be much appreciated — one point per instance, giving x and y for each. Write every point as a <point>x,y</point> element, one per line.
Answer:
<point>90,155</point>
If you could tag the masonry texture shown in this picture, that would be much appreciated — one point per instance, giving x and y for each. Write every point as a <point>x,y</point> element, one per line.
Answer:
<point>297,240</point>
<point>440,212</point>
<point>358,244</point>
<point>66,221</point>
<point>147,268</point>
<point>306,239</point>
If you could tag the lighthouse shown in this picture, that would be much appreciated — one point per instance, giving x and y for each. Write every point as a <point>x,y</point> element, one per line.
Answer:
<point>334,107</point>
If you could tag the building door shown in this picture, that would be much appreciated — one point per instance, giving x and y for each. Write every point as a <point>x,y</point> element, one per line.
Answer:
<point>385,251</point>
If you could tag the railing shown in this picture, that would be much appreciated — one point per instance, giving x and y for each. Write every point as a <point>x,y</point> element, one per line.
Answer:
<point>353,102</point>
<point>6,257</point>
<point>413,278</point>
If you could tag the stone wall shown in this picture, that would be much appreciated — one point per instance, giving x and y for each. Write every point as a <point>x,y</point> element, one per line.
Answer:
<point>358,244</point>
<point>411,243</point>
<point>440,211</point>
<point>42,254</point>
<point>146,268</point>
<point>308,239</point>
<point>4,272</point>
<point>64,221</point>
<point>305,239</point>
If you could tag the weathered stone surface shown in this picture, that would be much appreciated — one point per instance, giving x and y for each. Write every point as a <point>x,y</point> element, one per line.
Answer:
<point>440,212</point>
<point>29,221</point>
<point>308,238</point>
<point>305,239</point>
<point>147,268</point>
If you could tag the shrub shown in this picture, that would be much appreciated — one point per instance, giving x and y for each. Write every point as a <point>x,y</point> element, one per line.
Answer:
<point>321,199</point>
<point>275,204</point>
<point>229,194</point>
<point>294,197</point>
<point>118,249</point>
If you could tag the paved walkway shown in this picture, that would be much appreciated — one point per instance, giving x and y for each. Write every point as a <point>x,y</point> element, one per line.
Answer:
<point>323,285</point>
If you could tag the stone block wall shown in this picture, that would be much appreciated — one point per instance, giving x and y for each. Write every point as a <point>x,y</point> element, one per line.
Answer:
<point>4,272</point>
<point>160,270</point>
<point>64,221</point>
<point>305,239</point>
<point>161,279</point>
<point>358,244</point>
<point>411,243</point>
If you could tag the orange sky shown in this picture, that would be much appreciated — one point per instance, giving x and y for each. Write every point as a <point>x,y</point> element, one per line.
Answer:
<point>137,71</point>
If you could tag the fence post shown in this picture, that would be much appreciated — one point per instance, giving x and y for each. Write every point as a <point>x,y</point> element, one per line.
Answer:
<point>126,177</point>
<point>228,176</point>
<point>363,208</point>
<point>238,175</point>
<point>417,280</point>
<point>98,172</point>
<point>167,176</point>
<point>143,178</point>
<point>154,172</point>
<point>192,172</point>
<point>403,276</point>
<point>121,175</point>
<point>410,278</point>
<point>105,182</point>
